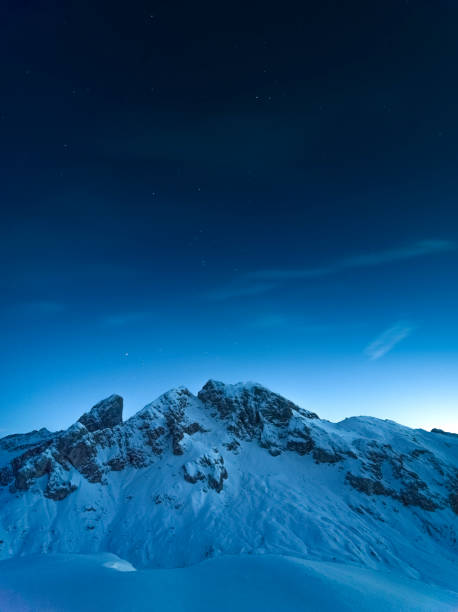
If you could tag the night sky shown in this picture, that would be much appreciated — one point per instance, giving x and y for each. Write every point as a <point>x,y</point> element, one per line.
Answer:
<point>256,191</point>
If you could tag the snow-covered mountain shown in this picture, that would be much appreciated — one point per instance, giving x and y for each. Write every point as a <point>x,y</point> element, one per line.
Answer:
<point>235,470</point>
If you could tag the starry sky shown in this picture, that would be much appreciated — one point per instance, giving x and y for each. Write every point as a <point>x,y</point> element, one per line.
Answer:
<point>240,191</point>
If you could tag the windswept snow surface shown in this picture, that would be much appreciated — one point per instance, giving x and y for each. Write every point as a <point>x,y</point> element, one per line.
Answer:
<point>76,583</point>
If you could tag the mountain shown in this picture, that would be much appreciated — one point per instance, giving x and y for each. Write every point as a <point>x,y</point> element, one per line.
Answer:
<point>235,470</point>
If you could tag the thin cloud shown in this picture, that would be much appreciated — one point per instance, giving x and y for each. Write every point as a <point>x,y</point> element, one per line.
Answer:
<point>262,281</point>
<point>296,324</point>
<point>384,343</point>
<point>368,260</point>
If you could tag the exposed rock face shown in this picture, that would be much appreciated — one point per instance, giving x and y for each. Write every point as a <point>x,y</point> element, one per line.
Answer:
<point>411,489</point>
<point>254,412</point>
<point>230,451</point>
<point>107,413</point>
<point>59,485</point>
<point>209,468</point>
<point>410,495</point>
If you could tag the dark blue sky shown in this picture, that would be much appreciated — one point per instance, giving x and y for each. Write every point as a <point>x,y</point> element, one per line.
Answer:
<point>242,191</point>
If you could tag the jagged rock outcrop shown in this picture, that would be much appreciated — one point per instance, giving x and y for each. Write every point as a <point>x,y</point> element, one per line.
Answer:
<point>253,412</point>
<point>210,468</point>
<point>105,414</point>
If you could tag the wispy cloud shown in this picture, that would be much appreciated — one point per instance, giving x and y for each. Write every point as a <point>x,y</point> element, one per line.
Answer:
<point>268,322</point>
<point>366,260</point>
<point>384,343</point>
<point>262,281</point>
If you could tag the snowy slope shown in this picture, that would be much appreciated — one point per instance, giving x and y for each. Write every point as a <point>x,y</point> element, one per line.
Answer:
<point>72,583</point>
<point>236,470</point>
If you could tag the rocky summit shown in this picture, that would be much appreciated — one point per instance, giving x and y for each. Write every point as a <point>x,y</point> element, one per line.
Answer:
<point>236,469</point>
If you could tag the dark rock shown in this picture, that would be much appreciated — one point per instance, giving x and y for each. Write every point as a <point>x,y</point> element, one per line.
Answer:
<point>70,437</point>
<point>445,433</point>
<point>217,484</point>
<point>376,457</point>
<point>191,474</point>
<point>369,486</point>
<point>79,447</point>
<point>300,441</point>
<point>209,467</point>
<point>233,445</point>
<point>152,439</point>
<point>194,428</point>
<point>137,458</point>
<point>154,434</point>
<point>82,456</point>
<point>29,466</point>
<point>117,463</point>
<point>322,455</point>
<point>105,414</point>
<point>59,490</point>
<point>411,496</point>
<point>175,418</point>
<point>302,447</point>
<point>6,476</point>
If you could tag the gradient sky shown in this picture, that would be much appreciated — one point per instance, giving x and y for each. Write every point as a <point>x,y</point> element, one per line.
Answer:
<point>234,191</point>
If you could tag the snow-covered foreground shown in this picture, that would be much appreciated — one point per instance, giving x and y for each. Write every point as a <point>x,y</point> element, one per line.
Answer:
<point>75,583</point>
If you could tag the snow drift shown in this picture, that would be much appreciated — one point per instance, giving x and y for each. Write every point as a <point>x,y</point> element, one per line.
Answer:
<point>72,583</point>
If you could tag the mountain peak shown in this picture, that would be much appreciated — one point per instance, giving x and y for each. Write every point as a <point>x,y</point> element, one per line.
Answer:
<point>105,414</point>
<point>233,389</point>
<point>252,399</point>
